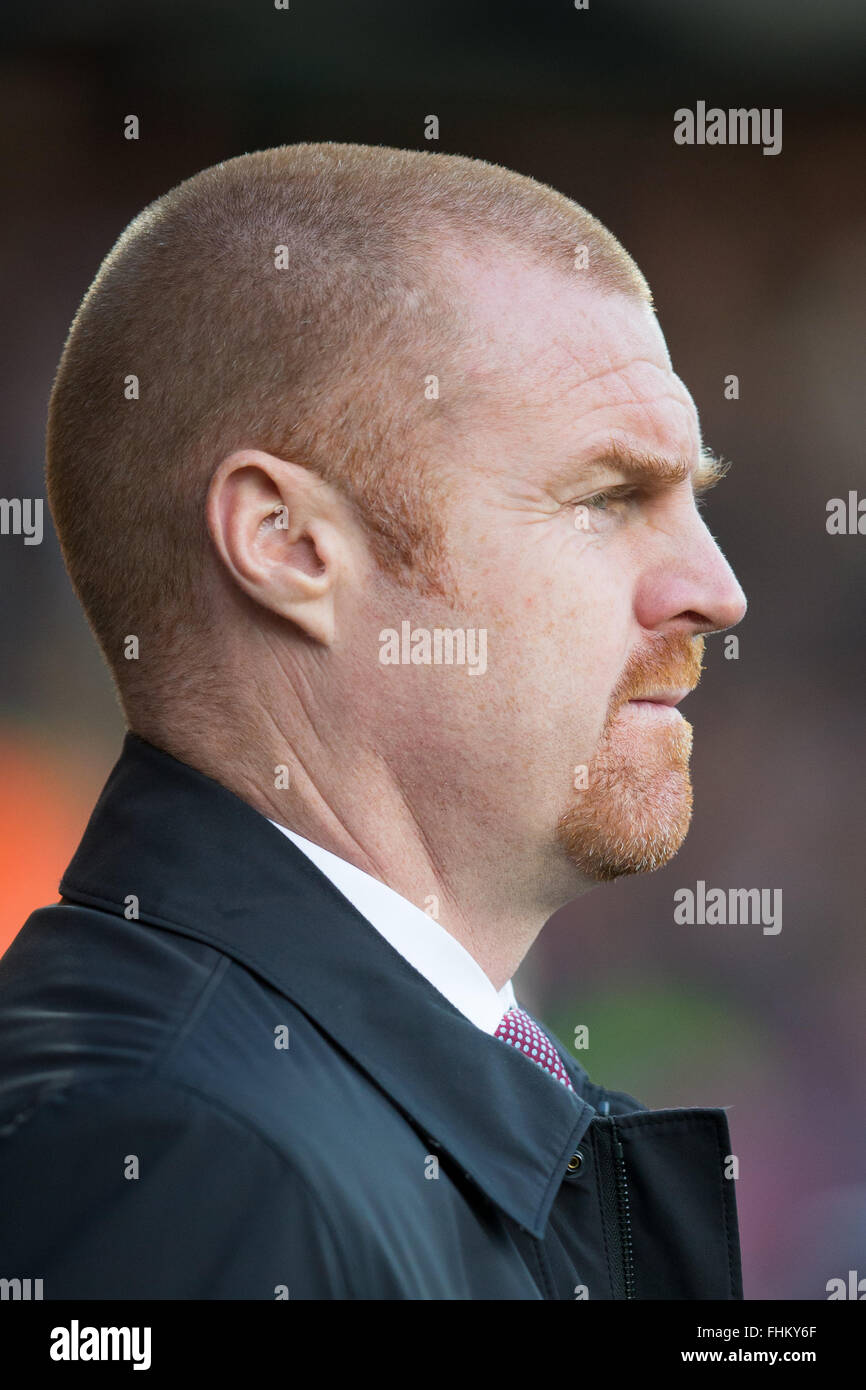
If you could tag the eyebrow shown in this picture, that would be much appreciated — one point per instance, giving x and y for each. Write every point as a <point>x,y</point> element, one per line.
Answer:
<point>656,470</point>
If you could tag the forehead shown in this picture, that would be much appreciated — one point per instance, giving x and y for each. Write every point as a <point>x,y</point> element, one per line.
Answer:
<point>568,367</point>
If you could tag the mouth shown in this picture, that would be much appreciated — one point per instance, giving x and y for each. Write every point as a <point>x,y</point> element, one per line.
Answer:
<point>658,706</point>
<point>669,698</point>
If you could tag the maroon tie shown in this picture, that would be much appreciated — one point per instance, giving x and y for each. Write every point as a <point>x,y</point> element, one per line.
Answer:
<point>518,1030</point>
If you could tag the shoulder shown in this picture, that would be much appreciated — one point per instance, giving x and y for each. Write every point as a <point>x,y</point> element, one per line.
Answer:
<point>84,992</point>
<point>86,997</point>
<point>140,1187</point>
<point>156,1090</point>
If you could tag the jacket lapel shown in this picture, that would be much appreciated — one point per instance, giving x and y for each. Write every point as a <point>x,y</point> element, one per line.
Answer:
<point>205,864</point>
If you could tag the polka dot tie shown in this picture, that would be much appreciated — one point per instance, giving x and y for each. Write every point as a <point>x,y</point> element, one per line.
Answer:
<point>518,1030</point>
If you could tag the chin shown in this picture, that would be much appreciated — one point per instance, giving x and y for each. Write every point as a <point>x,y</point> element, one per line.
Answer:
<point>634,815</point>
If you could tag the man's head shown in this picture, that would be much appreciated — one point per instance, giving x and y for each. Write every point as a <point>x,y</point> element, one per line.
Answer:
<point>378,387</point>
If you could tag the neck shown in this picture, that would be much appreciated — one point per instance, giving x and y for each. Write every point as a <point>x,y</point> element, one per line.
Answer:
<point>449,867</point>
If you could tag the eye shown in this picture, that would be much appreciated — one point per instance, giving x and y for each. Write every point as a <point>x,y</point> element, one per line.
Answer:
<point>603,501</point>
<point>599,502</point>
<point>606,501</point>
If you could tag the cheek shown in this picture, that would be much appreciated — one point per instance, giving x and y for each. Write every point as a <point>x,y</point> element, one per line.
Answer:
<point>547,692</point>
<point>560,627</point>
<point>594,632</point>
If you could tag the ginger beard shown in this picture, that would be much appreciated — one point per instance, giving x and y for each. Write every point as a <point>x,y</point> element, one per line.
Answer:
<point>636,808</point>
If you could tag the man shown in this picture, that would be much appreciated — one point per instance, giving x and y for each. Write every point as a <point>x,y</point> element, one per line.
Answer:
<point>374,478</point>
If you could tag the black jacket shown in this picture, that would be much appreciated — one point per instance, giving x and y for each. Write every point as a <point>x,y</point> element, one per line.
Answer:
<point>246,1092</point>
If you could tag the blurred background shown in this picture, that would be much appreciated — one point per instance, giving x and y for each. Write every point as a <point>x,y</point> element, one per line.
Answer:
<point>758,267</point>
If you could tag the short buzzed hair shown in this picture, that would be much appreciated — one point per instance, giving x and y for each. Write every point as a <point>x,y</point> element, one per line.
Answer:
<point>292,301</point>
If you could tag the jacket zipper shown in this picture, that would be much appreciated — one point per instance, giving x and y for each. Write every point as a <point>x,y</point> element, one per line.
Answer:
<point>623,1212</point>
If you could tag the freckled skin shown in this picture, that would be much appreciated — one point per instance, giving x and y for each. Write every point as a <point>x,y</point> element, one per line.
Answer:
<point>462,787</point>
<point>569,613</point>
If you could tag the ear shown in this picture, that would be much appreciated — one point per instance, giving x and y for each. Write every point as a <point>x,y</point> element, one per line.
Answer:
<point>276,528</point>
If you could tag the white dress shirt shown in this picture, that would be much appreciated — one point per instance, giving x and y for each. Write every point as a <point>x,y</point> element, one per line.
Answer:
<point>417,936</point>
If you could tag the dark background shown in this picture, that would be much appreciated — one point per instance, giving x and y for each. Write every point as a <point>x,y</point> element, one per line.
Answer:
<point>758,265</point>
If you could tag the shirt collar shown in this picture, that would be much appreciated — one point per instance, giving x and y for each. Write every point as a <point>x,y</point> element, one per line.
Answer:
<point>419,938</point>
<point>208,866</point>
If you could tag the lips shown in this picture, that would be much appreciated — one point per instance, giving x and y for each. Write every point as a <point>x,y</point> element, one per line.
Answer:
<point>662,697</point>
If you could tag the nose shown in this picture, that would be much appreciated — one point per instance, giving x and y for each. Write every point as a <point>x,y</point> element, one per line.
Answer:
<point>691,588</point>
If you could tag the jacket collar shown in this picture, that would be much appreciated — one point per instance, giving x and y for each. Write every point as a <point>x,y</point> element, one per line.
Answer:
<point>211,867</point>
